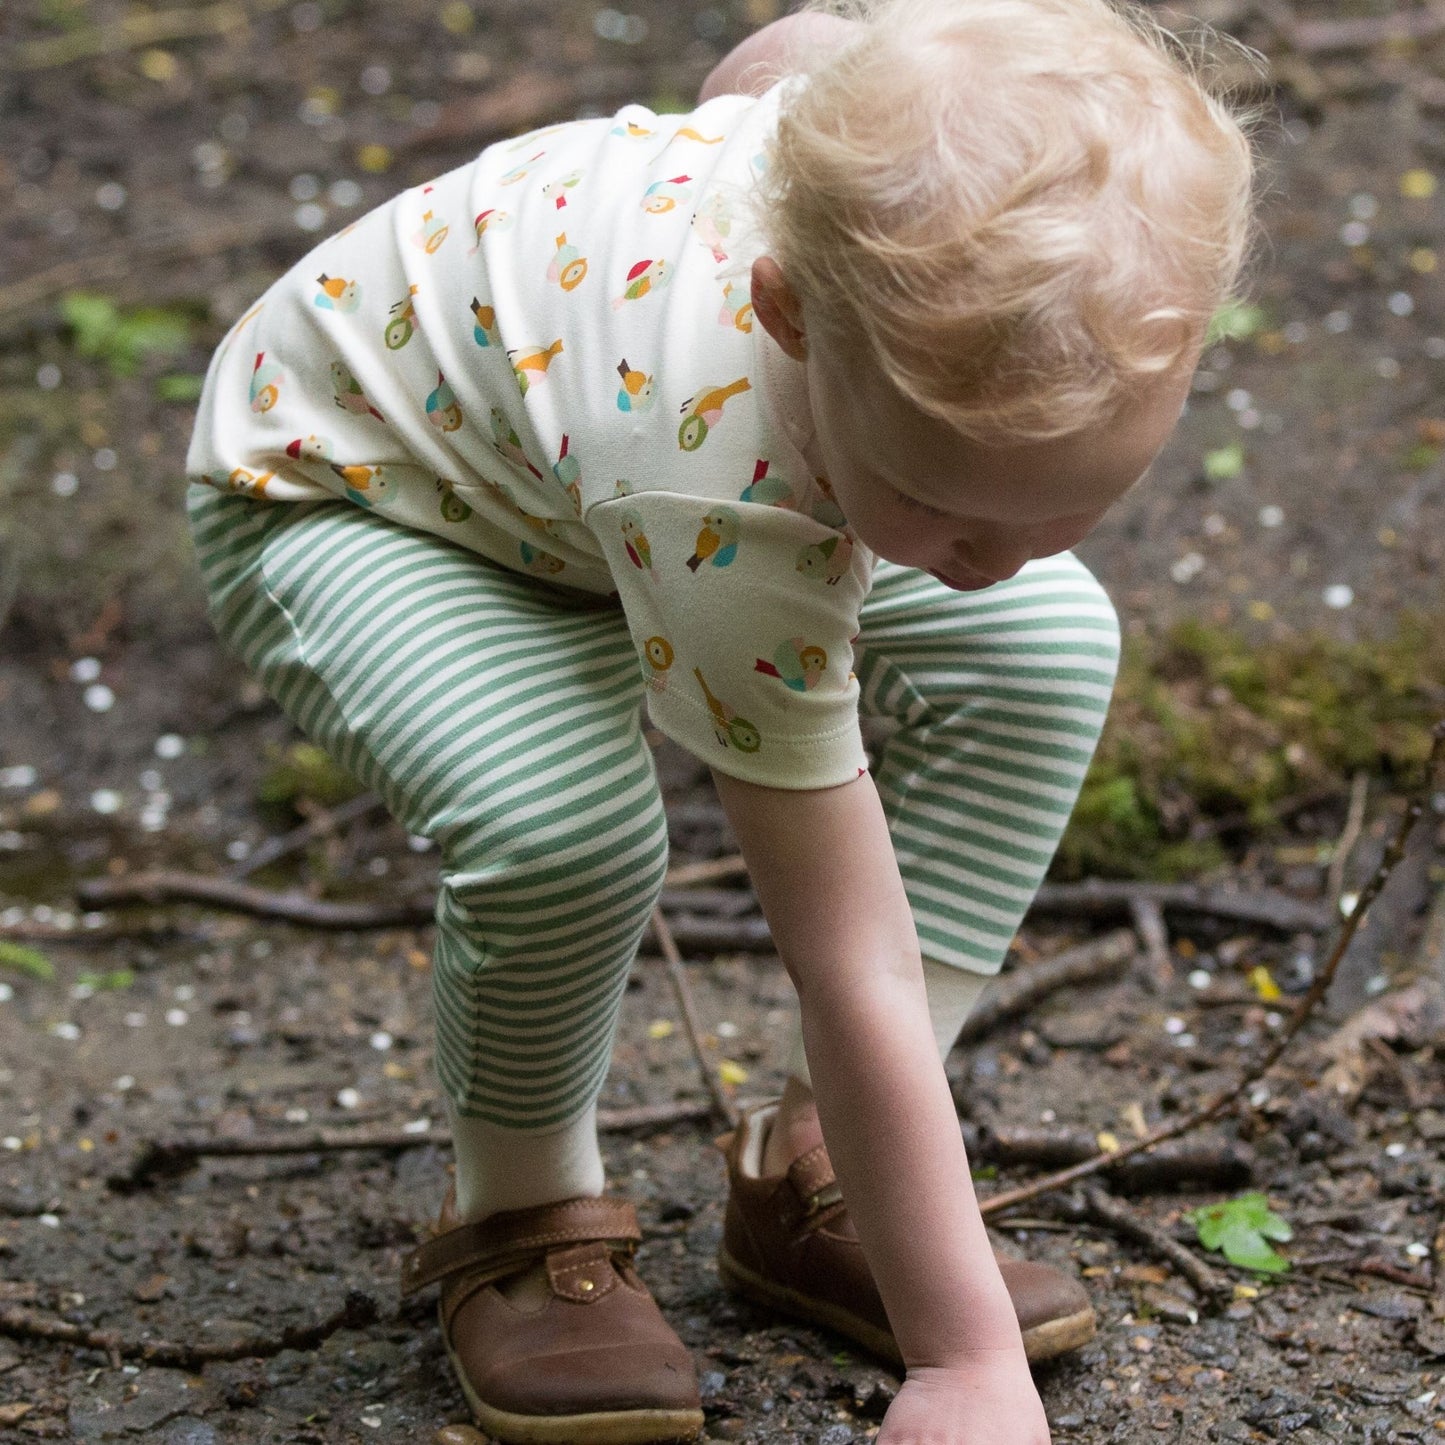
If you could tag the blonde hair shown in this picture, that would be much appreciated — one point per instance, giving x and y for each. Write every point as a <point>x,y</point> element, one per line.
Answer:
<point>1019,207</point>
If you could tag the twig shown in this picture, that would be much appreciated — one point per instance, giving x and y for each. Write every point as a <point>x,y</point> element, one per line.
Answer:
<point>709,871</point>
<point>292,907</point>
<point>1354,821</point>
<point>683,992</point>
<point>1103,1208</point>
<point>1307,1004</point>
<point>327,820</point>
<point>1019,991</point>
<point>1098,899</point>
<point>170,1158</point>
<point>356,1313</point>
<point>40,286</point>
<point>139,28</point>
<point>1209,1161</point>
<point>1149,925</point>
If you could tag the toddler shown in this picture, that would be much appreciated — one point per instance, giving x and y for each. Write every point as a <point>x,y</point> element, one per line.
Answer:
<point>772,415</point>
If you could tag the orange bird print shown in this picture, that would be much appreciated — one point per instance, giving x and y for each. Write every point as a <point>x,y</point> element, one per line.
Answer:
<point>729,727</point>
<point>703,412</point>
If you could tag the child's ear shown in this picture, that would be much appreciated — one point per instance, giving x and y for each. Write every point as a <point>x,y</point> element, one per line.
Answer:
<point>777,309</point>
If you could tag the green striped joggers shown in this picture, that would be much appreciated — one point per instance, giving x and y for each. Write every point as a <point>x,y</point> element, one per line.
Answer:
<point>502,720</point>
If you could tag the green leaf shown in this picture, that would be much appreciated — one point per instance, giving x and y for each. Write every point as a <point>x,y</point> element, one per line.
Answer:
<point>180,386</point>
<point>25,960</point>
<point>114,978</point>
<point>1225,464</point>
<point>1240,1229</point>
<point>1235,321</point>
<point>92,318</point>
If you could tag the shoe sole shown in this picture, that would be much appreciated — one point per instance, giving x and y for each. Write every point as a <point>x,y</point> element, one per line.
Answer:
<point>595,1427</point>
<point>1041,1342</point>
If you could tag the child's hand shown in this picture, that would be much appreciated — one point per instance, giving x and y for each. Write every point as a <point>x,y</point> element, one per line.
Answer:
<point>990,1401</point>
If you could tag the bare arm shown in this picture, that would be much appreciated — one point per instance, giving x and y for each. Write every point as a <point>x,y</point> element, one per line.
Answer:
<point>772,52</point>
<point>825,871</point>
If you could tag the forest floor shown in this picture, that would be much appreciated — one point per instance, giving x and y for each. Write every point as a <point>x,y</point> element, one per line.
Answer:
<point>1303,497</point>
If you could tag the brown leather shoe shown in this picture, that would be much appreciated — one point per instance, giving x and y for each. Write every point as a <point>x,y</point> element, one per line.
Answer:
<point>788,1242</point>
<point>553,1336</point>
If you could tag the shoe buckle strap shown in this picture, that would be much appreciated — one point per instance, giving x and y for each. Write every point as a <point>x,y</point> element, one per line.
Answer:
<point>814,1183</point>
<point>503,1241</point>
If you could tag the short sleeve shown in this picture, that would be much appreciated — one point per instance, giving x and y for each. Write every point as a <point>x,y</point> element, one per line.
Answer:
<point>743,616</point>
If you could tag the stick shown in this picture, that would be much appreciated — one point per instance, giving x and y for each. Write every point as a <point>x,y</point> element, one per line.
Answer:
<point>1354,821</point>
<point>356,1313</point>
<point>1212,1161</point>
<point>683,993</point>
<point>1097,899</point>
<point>1149,925</point>
<point>1308,1002</point>
<point>135,30</point>
<point>326,820</point>
<point>170,1158</point>
<point>1105,1209</point>
<point>1019,991</point>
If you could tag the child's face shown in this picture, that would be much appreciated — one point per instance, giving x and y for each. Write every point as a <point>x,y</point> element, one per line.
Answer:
<point>916,493</point>
<point>971,514</point>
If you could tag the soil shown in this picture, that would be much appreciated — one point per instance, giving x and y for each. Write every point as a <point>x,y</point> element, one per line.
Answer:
<point>131,741</point>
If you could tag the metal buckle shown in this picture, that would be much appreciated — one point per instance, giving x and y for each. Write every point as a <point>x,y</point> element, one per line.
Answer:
<point>827,1196</point>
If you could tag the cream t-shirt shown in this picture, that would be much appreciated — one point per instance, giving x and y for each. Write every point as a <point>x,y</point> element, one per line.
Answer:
<point>548,356</point>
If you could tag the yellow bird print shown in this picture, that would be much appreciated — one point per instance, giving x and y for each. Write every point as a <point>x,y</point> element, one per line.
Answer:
<point>730,728</point>
<point>703,412</point>
<point>530,363</point>
<point>658,654</point>
<point>717,542</point>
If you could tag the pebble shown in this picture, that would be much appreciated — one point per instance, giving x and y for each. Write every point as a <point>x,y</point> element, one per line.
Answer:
<point>458,1435</point>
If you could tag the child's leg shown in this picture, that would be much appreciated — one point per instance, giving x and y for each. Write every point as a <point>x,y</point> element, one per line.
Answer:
<point>999,697</point>
<point>502,721</point>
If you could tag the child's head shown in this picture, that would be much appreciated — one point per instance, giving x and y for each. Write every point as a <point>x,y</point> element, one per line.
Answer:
<point>1016,208</point>
<point>1008,221</point>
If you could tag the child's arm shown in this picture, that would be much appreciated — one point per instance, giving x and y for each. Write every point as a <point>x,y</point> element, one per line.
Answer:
<point>770,53</point>
<point>825,871</point>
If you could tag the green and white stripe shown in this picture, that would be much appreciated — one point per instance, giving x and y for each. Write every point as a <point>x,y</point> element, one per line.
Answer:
<point>502,719</point>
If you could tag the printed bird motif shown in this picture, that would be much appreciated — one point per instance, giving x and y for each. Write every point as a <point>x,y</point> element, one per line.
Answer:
<point>713,224</point>
<point>511,177</point>
<point>631,130</point>
<point>508,444</point>
<point>568,471</point>
<point>453,509</point>
<point>622,488</point>
<point>637,392</point>
<point>349,395</point>
<point>798,664</point>
<point>767,491</point>
<point>703,412</point>
<point>504,498</point>
<point>311,449</point>
<point>726,724</point>
<point>265,384</point>
<point>663,196</point>
<point>367,486</point>
<point>717,542</point>
<point>486,331</point>
<point>402,324</point>
<point>634,541</point>
<point>443,410</point>
<point>644,277</point>
<point>828,560</point>
<point>568,266</point>
<point>489,220</point>
<point>433,230</point>
<point>556,191</point>
<point>687,132</point>
<point>534,559</point>
<point>247,483</point>
<point>737,307</point>
<point>530,363</point>
<point>658,654</point>
<point>338,294</point>
<point>825,508</point>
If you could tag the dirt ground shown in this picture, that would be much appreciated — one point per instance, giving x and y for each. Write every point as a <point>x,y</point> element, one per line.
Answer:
<point>184,170</point>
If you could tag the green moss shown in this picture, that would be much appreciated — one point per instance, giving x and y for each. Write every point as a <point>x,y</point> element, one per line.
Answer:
<point>1208,724</point>
<point>306,772</point>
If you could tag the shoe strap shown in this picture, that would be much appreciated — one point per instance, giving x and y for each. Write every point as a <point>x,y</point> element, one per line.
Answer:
<point>501,1241</point>
<point>814,1183</point>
